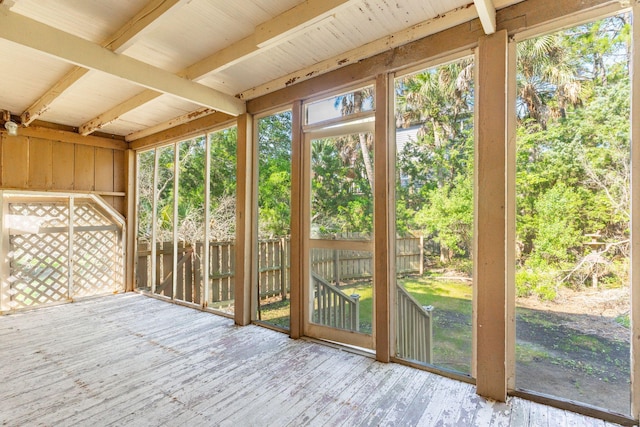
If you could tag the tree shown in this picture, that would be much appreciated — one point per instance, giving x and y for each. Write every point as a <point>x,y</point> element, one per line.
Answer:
<point>274,175</point>
<point>573,150</point>
<point>436,193</point>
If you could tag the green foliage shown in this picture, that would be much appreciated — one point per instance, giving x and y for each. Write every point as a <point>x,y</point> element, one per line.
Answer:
<point>341,193</point>
<point>449,215</point>
<point>435,170</point>
<point>274,175</point>
<point>573,152</point>
<point>558,225</point>
<point>538,282</point>
<point>624,320</point>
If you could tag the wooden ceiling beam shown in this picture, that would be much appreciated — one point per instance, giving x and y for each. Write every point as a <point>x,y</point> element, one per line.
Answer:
<point>118,42</point>
<point>267,34</point>
<point>114,113</point>
<point>487,14</point>
<point>78,51</point>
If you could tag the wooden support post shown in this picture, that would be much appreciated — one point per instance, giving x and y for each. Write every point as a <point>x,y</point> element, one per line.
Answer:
<point>176,220</point>
<point>490,290</point>
<point>296,279</point>
<point>130,209</point>
<point>204,283</point>
<point>384,221</point>
<point>244,221</point>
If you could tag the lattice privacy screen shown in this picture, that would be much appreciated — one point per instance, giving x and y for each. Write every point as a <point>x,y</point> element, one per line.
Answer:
<point>58,249</point>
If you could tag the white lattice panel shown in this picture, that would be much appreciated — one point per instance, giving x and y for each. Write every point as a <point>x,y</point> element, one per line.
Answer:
<point>96,265</point>
<point>39,257</point>
<point>38,262</point>
<point>51,214</point>
<point>87,214</point>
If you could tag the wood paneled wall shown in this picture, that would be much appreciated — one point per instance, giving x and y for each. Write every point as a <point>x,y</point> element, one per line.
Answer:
<point>47,161</point>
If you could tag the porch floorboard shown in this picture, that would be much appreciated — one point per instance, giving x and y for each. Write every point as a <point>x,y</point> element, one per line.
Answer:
<point>133,360</point>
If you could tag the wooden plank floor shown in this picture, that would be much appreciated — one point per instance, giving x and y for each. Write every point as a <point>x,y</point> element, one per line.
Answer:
<point>133,360</point>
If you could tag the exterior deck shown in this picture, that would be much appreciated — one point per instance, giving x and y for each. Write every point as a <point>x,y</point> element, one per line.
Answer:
<point>132,360</point>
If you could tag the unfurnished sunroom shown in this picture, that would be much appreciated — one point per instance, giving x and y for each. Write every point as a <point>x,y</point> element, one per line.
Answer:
<point>444,187</point>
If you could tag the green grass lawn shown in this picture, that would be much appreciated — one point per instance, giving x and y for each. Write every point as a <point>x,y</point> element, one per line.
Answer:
<point>452,308</point>
<point>452,316</point>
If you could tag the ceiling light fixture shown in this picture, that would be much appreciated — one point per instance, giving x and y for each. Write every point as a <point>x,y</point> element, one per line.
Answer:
<point>10,125</point>
<point>12,128</point>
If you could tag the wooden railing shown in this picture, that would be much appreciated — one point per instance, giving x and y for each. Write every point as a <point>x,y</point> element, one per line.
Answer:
<point>332,307</point>
<point>414,328</point>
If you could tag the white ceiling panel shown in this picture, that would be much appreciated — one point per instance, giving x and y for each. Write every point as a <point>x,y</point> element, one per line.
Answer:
<point>95,92</point>
<point>94,20</point>
<point>199,28</point>
<point>24,75</point>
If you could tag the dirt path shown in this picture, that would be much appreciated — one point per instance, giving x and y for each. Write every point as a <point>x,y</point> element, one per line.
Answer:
<point>574,348</point>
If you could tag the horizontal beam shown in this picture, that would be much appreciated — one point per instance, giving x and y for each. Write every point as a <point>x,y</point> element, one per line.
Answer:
<point>144,20</point>
<point>295,20</point>
<point>267,34</point>
<point>72,137</point>
<point>78,51</point>
<point>39,107</point>
<point>186,130</point>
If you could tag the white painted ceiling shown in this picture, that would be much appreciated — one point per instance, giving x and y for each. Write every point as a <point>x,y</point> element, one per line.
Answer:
<point>228,49</point>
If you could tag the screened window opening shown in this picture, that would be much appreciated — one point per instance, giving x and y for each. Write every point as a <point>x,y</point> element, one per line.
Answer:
<point>573,213</point>
<point>186,220</point>
<point>274,219</point>
<point>434,215</point>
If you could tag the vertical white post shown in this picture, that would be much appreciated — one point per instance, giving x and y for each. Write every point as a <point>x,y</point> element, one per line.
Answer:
<point>154,226</point>
<point>176,174</point>
<point>71,261</point>
<point>207,221</point>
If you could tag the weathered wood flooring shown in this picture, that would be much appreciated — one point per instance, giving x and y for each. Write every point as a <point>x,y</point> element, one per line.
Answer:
<point>133,360</point>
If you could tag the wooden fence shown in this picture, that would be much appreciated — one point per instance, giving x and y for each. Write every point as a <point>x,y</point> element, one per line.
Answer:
<point>273,268</point>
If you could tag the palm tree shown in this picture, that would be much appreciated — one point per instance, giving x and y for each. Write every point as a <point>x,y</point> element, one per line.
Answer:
<point>545,71</point>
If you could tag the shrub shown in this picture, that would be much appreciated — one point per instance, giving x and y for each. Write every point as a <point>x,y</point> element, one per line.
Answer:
<point>538,282</point>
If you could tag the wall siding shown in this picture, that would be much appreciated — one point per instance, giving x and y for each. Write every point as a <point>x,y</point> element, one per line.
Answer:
<point>40,164</point>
